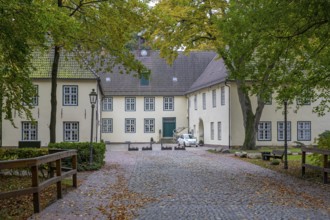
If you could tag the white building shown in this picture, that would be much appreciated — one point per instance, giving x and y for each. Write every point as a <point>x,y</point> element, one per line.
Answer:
<point>193,95</point>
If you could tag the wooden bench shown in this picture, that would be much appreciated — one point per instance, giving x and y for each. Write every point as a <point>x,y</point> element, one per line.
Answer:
<point>29,144</point>
<point>276,154</point>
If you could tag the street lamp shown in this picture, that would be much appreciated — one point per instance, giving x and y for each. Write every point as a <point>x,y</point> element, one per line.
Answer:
<point>92,99</point>
<point>285,135</point>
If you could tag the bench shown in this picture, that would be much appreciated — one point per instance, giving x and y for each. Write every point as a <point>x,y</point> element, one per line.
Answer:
<point>276,154</point>
<point>29,144</point>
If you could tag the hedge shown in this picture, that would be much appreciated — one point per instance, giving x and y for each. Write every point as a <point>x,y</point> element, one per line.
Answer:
<point>21,153</point>
<point>83,149</point>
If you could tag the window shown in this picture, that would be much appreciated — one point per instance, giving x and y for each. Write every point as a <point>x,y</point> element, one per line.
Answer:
<point>223,101</point>
<point>107,104</point>
<point>35,99</point>
<point>194,130</point>
<point>303,101</point>
<point>71,131</point>
<point>280,130</point>
<point>219,130</point>
<point>129,104</point>
<point>195,102</point>
<point>168,103</point>
<point>265,131</point>
<point>304,131</point>
<point>214,98</point>
<point>29,131</point>
<point>268,100</point>
<point>129,125</point>
<point>144,81</point>
<point>212,130</point>
<point>70,95</point>
<point>149,125</point>
<point>106,125</point>
<point>204,101</point>
<point>149,103</point>
<point>304,98</point>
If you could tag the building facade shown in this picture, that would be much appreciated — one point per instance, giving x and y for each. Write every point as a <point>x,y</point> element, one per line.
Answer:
<point>191,95</point>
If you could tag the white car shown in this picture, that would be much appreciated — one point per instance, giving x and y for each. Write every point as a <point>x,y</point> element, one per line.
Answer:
<point>187,140</point>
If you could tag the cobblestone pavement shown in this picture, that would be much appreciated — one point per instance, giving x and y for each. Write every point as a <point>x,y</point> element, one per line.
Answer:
<point>191,184</point>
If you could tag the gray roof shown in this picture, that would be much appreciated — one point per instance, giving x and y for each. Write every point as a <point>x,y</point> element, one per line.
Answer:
<point>213,74</point>
<point>185,68</point>
<point>69,66</point>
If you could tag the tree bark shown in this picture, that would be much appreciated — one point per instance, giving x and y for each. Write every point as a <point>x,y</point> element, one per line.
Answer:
<point>53,100</point>
<point>1,100</point>
<point>250,119</point>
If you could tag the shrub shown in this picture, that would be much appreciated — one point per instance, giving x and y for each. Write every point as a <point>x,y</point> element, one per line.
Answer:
<point>323,142</point>
<point>275,162</point>
<point>83,151</point>
<point>21,153</point>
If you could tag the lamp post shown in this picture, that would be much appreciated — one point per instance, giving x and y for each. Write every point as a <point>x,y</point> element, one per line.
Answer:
<point>285,135</point>
<point>92,99</point>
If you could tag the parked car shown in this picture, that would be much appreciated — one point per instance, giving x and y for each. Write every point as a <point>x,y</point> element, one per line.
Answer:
<point>187,140</point>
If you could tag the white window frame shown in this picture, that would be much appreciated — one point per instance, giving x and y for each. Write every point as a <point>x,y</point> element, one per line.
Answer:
<point>303,101</point>
<point>29,131</point>
<point>265,131</point>
<point>204,100</point>
<point>71,131</point>
<point>304,130</point>
<point>214,98</point>
<point>149,103</point>
<point>70,95</point>
<point>219,130</point>
<point>130,125</point>
<point>223,95</point>
<point>212,130</point>
<point>35,99</point>
<point>107,104</point>
<point>130,104</point>
<point>280,130</point>
<point>107,125</point>
<point>168,103</point>
<point>149,125</point>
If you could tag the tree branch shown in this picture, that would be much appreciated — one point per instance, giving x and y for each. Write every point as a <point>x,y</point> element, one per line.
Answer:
<point>304,30</point>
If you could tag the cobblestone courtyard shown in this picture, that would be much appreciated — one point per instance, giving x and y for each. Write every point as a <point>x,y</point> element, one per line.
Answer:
<point>191,184</point>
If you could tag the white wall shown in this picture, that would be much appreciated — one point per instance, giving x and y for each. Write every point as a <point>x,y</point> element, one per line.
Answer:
<point>273,114</point>
<point>41,113</point>
<point>219,113</point>
<point>118,115</point>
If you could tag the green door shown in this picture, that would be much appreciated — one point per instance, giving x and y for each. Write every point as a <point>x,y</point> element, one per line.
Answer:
<point>169,125</point>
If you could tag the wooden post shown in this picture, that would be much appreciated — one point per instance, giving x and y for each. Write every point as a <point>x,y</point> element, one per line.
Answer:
<point>303,161</point>
<point>59,183</point>
<point>325,165</point>
<point>35,183</point>
<point>74,166</point>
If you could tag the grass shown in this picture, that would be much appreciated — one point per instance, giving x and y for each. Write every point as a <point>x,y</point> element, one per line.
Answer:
<point>21,207</point>
<point>294,164</point>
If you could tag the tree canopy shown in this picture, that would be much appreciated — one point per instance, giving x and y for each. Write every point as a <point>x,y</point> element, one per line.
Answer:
<point>269,47</point>
<point>96,31</point>
<point>21,29</point>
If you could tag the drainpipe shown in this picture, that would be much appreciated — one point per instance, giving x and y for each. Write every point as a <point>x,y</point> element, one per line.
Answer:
<point>229,116</point>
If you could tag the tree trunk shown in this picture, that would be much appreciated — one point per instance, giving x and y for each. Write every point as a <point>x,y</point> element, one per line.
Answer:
<point>250,120</point>
<point>1,99</point>
<point>53,100</point>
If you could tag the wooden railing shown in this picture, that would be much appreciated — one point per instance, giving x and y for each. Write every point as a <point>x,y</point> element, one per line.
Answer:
<point>325,169</point>
<point>37,187</point>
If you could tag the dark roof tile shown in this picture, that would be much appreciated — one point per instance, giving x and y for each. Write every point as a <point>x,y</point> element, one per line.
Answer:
<point>186,69</point>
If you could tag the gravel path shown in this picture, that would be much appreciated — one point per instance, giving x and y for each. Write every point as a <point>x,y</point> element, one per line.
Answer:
<point>191,184</point>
